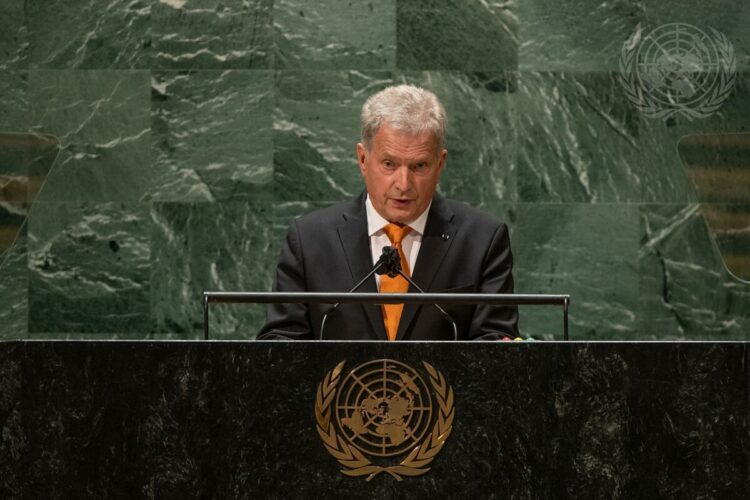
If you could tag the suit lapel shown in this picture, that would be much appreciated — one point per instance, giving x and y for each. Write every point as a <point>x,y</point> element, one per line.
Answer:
<point>436,241</point>
<point>356,245</point>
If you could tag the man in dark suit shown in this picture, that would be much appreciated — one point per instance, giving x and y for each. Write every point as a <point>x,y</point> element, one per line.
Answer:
<point>450,246</point>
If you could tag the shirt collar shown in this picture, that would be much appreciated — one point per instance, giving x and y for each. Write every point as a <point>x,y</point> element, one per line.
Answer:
<point>376,222</point>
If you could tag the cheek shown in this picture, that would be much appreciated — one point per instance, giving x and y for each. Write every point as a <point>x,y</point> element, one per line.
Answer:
<point>380,182</point>
<point>427,184</point>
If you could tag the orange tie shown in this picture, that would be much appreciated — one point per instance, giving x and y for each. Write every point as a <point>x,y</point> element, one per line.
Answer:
<point>392,312</point>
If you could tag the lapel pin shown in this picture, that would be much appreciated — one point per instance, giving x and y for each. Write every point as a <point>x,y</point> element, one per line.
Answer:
<point>445,236</point>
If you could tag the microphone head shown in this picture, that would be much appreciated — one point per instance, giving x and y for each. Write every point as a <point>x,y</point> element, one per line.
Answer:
<point>391,262</point>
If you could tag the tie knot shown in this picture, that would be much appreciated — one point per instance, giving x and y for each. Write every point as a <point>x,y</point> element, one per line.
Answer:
<point>396,232</point>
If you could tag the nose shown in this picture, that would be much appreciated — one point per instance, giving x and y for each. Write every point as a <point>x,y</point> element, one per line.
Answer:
<point>402,180</point>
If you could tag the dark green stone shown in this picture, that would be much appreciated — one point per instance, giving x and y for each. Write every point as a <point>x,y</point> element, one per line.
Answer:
<point>13,282</point>
<point>466,35</point>
<point>13,36</point>
<point>89,35</point>
<point>665,178</point>
<point>212,135</point>
<point>89,268</point>
<point>201,247</point>
<point>587,251</point>
<point>685,290</point>
<point>585,35</point>
<point>578,139</point>
<point>212,34</point>
<point>102,119</point>
<point>335,34</point>
<point>14,101</point>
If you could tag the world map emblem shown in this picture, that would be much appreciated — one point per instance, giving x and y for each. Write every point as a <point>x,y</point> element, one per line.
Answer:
<point>677,69</point>
<point>383,416</point>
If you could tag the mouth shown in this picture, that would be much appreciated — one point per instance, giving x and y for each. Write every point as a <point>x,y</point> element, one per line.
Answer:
<point>401,202</point>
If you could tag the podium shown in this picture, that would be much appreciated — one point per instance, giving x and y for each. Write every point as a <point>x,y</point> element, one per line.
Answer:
<point>217,419</point>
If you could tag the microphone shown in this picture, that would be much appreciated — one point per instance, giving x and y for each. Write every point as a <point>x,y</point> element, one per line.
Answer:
<point>383,265</point>
<point>393,263</point>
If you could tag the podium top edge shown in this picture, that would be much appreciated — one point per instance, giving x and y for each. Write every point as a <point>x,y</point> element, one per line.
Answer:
<point>384,298</point>
<point>410,342</point>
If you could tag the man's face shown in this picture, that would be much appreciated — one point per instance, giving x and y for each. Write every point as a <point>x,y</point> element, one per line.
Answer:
<point>401,172</point>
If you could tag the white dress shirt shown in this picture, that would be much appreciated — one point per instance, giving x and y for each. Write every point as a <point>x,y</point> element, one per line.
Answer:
<point>378,239</point>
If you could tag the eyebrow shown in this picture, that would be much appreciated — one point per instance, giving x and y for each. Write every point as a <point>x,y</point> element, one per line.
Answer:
<point>421,159</point>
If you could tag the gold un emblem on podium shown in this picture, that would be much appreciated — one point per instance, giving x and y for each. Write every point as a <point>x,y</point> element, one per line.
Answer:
<point>382,416</point>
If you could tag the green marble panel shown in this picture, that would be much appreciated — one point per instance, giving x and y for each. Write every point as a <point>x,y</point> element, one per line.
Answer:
<point>581,140</point>
<point>14,101</point>
<point>578,139</point>
<point>468,35</point>
<point>212,135</point>
<point>103,121</point>
<point>89,34</point>
<point>212,34</point>
<point>730,17</point>
<point>316,130</point>
<point>665,176</point>
<point>481,138</point>
<point>199,247</point>
<point>685,290</point>
<point>587,251</point>
<point>585,35</point>
<point>335,34</point>
<point>13,281</point>
<point>13,36</point>
<point>89,268</point>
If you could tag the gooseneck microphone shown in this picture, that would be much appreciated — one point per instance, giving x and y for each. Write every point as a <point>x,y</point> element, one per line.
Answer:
<point>383,265</point>
<point>393,261</point>
<point>389,263</point>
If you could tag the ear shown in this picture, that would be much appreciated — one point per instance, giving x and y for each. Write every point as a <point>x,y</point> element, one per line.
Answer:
<point>441,160</point>
<point>361,155</point>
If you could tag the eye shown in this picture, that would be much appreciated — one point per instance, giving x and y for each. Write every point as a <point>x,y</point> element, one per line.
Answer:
<point>420,167</point>
<point>388,164</point>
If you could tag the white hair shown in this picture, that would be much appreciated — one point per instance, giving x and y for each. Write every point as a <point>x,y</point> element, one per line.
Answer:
<point>406,108</point>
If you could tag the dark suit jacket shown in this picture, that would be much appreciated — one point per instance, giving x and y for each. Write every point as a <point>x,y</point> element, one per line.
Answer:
<point>463,251</point>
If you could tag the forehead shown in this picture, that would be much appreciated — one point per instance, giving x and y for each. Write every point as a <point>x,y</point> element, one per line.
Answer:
<point>388,140</point>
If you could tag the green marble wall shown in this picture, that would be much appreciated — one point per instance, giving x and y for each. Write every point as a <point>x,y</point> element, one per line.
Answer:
<point>193,131</point>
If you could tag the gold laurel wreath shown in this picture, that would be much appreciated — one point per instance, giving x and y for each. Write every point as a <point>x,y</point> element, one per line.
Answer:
<point>651,107</point>
<point>354,461</point>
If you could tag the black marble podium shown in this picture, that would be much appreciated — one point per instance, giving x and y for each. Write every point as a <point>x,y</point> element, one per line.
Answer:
<point>111,419</point>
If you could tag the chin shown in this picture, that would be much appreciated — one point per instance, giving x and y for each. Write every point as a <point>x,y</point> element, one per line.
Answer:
<point>401,218</point>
